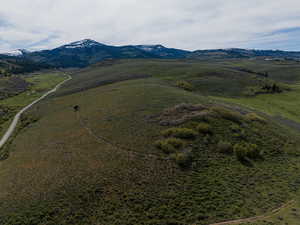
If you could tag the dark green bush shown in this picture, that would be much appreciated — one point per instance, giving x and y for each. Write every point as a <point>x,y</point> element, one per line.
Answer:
<point>253,151</point>
<point>235,128</point>
<point>182,159</point>
<point>184,85</point>
<point>204,128</point>
<point>244,151</point>
<point>163,145</point>
<point>225,147</point>
<point>240,152</point>
<point>241,134</point>
<point>169,145</point>
<point>228,114</point>
<point>179,132</point>
<point>175,142</point>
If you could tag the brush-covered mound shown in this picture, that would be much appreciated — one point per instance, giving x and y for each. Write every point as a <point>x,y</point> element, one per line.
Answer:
<point>197,128</point>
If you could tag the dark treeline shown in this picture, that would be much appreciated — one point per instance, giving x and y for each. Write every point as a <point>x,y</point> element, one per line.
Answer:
<point>16,65</point>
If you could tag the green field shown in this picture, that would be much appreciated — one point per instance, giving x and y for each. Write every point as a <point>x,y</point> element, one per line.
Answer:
<point>102,164</point>
<point>284,105</point>
<point>39,84</point>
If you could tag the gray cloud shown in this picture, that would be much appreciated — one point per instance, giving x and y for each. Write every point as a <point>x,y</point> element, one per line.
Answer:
<point>188,24</point>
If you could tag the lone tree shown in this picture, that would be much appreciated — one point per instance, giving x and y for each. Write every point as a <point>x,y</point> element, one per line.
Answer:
<point>76,108</point>
<point>266,74</point>
<point>276,88</point>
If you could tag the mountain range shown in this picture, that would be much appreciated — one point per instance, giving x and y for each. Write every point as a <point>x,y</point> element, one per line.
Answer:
<point>86,52</point>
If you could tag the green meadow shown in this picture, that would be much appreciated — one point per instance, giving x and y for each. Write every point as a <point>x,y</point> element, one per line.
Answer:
<point>154,142</point>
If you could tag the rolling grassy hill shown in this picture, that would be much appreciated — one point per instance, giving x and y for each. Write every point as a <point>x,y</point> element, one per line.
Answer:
<point>151,142</point>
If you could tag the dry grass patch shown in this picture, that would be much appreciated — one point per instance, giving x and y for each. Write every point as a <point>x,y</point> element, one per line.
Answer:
<point>254,117</point>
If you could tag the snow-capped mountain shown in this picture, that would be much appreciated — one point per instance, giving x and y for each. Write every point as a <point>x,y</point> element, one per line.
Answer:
<point>162,51</point>
<point>86,43</point>
<point>17,52</point>
<point>86,52</point>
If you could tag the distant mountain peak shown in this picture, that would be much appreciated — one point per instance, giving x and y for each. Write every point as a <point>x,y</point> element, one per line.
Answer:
<point>85,43</point>
<point>17,52</point>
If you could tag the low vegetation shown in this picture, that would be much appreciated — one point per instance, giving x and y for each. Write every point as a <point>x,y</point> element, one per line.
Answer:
<point>11,86</point>
<point>282,105</point>
<point>148,152</point>
<point>266,88</point>
<point>37,85</point>
<point>185,85</point>
<point>245,151</point>
<point>204,128</point>
<point>222,129</point>
<point>228,114</point>
<point>179,132</point>
<point>6,113</point>
<point>23,90</point>
<point>225,147</point>
<point>255,117</point>
<point>170,145</point>
<point>183,159</point>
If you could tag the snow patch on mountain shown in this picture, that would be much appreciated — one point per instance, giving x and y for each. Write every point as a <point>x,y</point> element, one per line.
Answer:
<point>17,52</point>
<point>150,48</point>
<point>86,43</point>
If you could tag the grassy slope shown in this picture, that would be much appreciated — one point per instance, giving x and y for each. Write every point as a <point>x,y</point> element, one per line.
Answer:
<point>290,214</point>
<point>64,175</point>
<point>207,77</point>
<point>284,105</point>
<point>10,86</point>
<point>40,83</point>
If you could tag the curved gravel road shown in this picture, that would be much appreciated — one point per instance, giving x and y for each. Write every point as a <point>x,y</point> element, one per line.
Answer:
<point>13,125</point>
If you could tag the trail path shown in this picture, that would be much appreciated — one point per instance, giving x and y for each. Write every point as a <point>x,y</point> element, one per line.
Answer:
<point>255,218</point>
<point>14,123</point>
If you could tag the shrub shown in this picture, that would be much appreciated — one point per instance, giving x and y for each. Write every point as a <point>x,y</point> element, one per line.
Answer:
<point>235,128</point>
<point>253,151</point>
<point>228,114</point>
<point>178,132</point>
<point>255,117</point>
<point>166,147</point>
<point>251,91</point>
<point>184,85</point>
<point>182,159</point>
<point>240,134</point>
<point>246,150</point>
<point>240,152</point>
<point>169,145</point>
<point>204,128</point>
<point>225,147</point>
<point>175,142</point>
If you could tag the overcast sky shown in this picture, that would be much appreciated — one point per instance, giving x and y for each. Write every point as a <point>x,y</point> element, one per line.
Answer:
<point>186,24</point>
